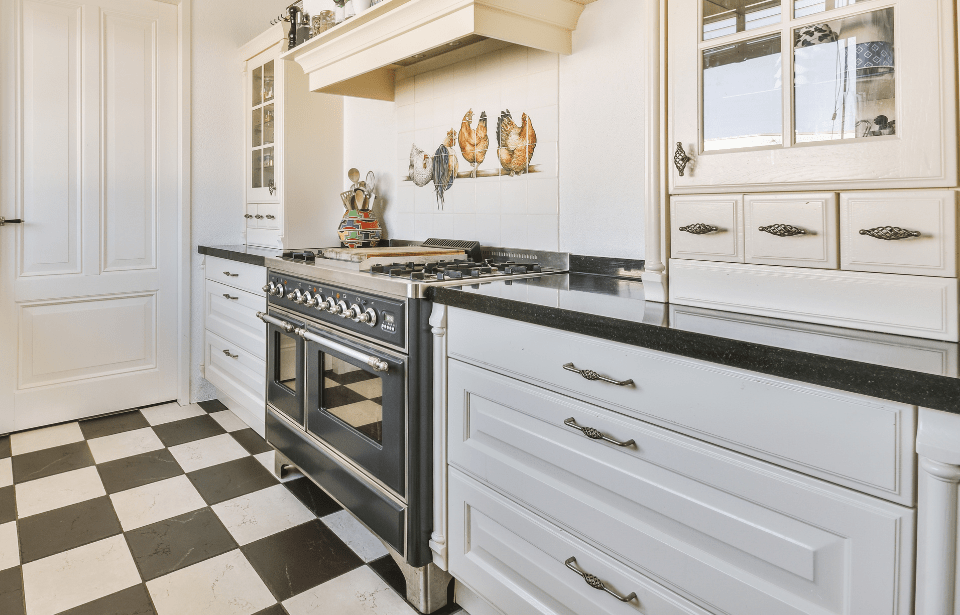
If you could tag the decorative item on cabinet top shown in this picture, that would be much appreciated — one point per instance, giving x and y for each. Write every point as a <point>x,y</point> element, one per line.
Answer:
<point>360,227</point>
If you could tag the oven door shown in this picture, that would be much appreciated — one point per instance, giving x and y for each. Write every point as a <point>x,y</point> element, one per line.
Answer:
<point>357,404</point>
<point>285,382</point>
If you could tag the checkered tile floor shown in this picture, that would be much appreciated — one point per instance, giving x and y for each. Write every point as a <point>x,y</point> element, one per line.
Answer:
<point>175,510</point>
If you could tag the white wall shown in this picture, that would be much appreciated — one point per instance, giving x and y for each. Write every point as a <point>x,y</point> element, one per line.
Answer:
<point>220,27</point>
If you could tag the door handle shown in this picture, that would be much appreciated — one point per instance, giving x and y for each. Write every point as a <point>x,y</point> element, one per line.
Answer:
<point>231,275</point>
<point>593,434</point>
<point>232,356</point>
<point>589,374</point>
<point>4,221</point>
<point>270,320</point>
<point>376,363</point>
<point>227,296</point>
<point>596,583</point>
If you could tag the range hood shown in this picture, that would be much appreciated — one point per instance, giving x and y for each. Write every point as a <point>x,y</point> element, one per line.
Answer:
<point>360,56</point>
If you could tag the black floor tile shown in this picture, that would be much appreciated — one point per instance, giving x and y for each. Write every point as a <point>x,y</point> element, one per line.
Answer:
<point>113,424</point>
<point>251,440</point>
<point>131,601</point>
<point>374,431</point>
<point>138,470</point>
<point>50,461</point>
<point>274,610</point>
<point>389,571</point>
<point>337,397</point>
<point>8,505</point>
<point>176,543</point>
<point>11,592</point>
<point>231,480</point>
<point>298,559</point>
<point>5,447</point>
<point>214,405</point>
<point>188,430</point>
<point>313,497</point>
<point>67,528</point>
<point>351,377</point>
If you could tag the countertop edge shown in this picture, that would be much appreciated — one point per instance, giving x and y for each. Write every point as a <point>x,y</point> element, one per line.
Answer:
<point>889,383</point>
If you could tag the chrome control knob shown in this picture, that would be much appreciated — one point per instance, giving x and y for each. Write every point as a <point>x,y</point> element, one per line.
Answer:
<point>296,296</point>
<point>369,317</point>
<point>268,288</point>
<point>278,290</point>
<point>354,312</point>
<point>329,305</point>
<point>342,309</point>
<point>310,301</point>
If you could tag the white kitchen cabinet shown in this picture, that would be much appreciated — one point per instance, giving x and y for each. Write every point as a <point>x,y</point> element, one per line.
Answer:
<point>707,227</point>
<point>782,95</point>
<point>294,151</point>
<point>796,230</point>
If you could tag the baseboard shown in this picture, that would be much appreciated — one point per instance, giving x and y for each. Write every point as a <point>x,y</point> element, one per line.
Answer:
<point>472,603</point>
<point>915,306</point>
<point>252,419</point>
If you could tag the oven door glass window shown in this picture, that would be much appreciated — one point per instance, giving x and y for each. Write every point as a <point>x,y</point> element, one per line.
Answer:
<point>354,396</point>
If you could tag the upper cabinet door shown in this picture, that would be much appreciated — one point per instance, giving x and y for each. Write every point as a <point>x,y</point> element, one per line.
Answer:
<point>812,94</point>
<point>262,102</point>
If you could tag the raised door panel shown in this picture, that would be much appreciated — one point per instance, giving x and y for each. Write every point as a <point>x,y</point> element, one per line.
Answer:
<point>129,167</point>
<point>51,138</point>
<point>811,242</point>
<point>733,534</point>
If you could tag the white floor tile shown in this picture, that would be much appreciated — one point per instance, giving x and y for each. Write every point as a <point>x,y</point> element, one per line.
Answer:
<point>158,415</point>
<point>9,546</point>
<point>267,460</point>
<point>155,502</point>
<point>368,388</point>
<point>65,580</point>
<point>229,421</point>
<point>360,592</point>
<point>357,537</point>
<point>224,585</point>
<point>126,444</point>
<point>48,437</point>
<point>6,472</point>
<point>57,491</point>
<point>207,452</point>
<point>262,513</point>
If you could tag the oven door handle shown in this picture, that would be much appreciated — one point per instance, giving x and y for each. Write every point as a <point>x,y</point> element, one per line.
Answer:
<point>376,363</point>
<point>270,320</point>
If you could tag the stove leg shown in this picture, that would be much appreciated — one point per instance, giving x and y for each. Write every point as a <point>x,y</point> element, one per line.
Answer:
<point>282,466</point>
<point>426,586</point>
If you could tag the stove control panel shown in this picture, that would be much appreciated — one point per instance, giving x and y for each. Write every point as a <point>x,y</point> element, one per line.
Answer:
<point>362,313</point>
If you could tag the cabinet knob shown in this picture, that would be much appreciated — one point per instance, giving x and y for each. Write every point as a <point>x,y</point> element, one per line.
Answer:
<point>680,159</point>
<point>889,233</point>
<point>782,230</point>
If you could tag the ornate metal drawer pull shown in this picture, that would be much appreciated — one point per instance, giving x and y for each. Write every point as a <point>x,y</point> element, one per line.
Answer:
<point>269,217</point>
<point>258,217</point>
<point>596,583</point>
<point>782,230</point>
<point>593,434</point>
<point>231,275</point>
<point>889,233</point>
<point>592,375</point>
<point>699,229</point>
<point>248,216</point>
<point>272,187</point>
<point>226,296</point>
<point>232,356</point>
<point>680,159</point>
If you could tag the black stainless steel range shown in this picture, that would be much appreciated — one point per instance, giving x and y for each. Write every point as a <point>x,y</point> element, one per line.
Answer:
<point>349,384</point>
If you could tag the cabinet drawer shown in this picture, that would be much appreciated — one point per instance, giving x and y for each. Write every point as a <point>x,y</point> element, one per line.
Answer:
<point>734,534</point>
<point>515,560</point>
<point>878,232</point>
<point>774,224</point>
<point>232,314</point>
<point>269,215</point>
<point>707,228</point>
<point>250,278</point>
<point>849,439</point>
<point>240,374</point>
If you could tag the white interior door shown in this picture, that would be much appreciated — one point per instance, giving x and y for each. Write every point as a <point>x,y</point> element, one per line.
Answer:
<point>88,281</point>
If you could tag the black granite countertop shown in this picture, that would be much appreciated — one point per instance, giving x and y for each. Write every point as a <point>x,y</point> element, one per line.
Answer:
<point>902,369</point>
<point>240,253</point>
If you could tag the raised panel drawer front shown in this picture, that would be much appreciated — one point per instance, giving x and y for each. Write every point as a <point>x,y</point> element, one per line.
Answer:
<point>730,533</point>
<point>516,561</point>
<point>707,227</point>
<point>911,232</point>
<point>269,215</point>
<point>250,278</point>
<point>799,230</point>
<point>232,314</point>
<point>236,372</point>
<point>852,440</point>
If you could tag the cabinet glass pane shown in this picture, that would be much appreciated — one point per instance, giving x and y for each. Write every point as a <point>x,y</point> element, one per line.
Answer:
<point>802,8</point>
<point>723,17</point>
<point>257,87</point>
<point>257,173</point>
<point>268,124</point>
<point>845,78</point>
<point>353,396</point>
<point>268,167</point>
<point>257,128</point>
<point>268,81</point>
<point>742,95</point>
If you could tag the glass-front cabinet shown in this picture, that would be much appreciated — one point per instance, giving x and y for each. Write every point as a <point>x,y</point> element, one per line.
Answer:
<point>811,94</point>
<point>261,138</point>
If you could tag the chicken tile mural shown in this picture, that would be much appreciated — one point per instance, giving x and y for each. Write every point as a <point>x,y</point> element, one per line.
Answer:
<point>478,146</point>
